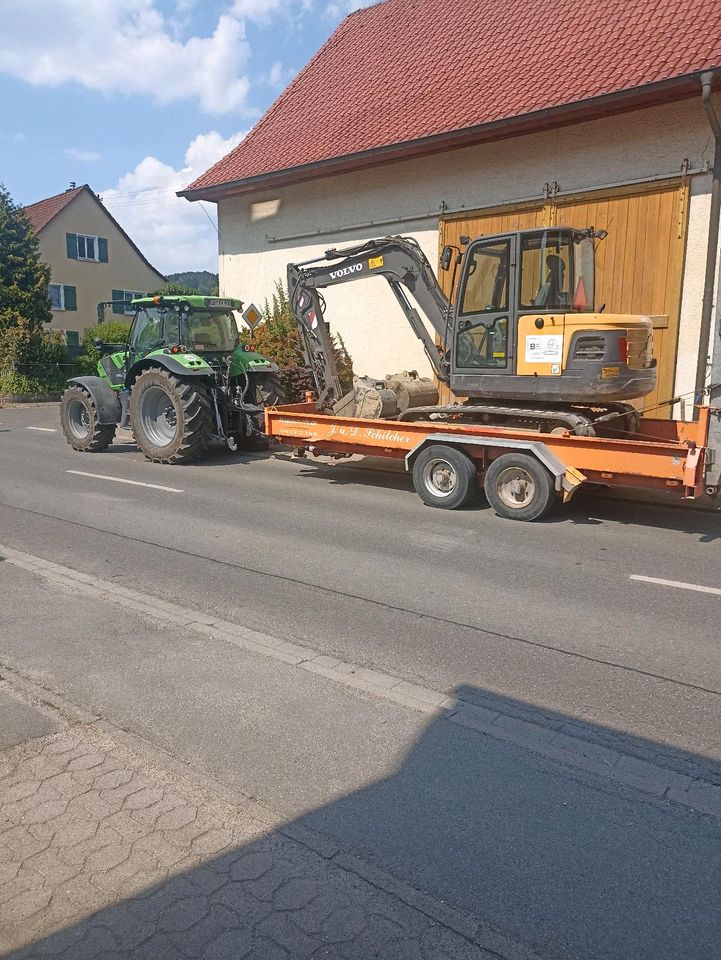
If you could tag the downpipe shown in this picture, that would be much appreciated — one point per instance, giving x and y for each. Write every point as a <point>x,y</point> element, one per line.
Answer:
<point>707,80</point>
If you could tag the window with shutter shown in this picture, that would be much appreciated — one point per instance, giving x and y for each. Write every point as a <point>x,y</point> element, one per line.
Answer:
<point>126,295</point>
<point>102,250</point>
<point>87,247</point>
<point>118,307</point>
<point>70,296</point>
<point>55,295</point>
<point>71,239</point>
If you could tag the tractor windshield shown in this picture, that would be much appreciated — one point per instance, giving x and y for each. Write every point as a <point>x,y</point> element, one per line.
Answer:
<point>556,271</point>
<point>214,331</point>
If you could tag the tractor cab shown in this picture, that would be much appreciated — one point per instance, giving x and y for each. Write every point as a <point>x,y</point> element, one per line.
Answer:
<point>180,324</point>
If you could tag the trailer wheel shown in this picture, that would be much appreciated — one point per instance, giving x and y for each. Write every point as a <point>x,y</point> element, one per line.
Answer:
<point>518,487</point>
<point>445,477</point>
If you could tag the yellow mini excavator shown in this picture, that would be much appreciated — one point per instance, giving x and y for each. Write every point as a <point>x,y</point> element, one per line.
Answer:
<point>521,339</point>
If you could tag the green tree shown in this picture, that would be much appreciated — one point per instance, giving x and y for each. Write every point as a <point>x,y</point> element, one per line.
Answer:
<point>110,331</point>
<point>24,277</point>
<point>174,289</point>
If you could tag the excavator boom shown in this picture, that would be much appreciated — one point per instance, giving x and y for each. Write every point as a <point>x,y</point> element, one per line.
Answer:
<point>401,262</point>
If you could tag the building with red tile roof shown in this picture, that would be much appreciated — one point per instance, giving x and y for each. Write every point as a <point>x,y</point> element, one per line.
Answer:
<point>91,257</point>
<point>441,117</point>
<point>406,77</point>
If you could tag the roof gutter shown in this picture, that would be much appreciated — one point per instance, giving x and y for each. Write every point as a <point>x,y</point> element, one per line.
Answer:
<point>704,345</point>
<point>618,102</point>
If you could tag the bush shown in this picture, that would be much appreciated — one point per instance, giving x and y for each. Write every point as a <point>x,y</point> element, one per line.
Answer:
<point>20,385</point>
<point>32,360</point>
<point>110,331</point>
<point>296,380</point>
<point>278,338</point>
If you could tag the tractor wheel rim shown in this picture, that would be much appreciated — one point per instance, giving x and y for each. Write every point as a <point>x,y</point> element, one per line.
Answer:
<point>78,419</point>
<point>157,417</point>
<point>439,477</point>
<point>515,487</point>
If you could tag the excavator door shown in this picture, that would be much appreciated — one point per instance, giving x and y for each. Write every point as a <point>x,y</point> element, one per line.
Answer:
<point>485,327</point>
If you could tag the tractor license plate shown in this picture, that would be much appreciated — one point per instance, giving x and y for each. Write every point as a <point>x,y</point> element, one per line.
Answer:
<point>219,303</point>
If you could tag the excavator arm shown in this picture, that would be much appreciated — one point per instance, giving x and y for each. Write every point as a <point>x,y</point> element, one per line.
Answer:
<point>403,264</point>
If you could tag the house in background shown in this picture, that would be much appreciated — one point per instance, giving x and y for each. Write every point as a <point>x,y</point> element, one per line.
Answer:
<point>91,258</point>
<point>443,118</point>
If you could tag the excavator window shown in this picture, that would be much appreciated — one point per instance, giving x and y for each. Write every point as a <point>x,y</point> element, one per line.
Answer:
<point>546,271</point>
<point>486,286</point>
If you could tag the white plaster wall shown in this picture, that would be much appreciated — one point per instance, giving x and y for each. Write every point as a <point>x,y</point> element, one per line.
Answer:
<point>634,146</point>
<point>692,291</point>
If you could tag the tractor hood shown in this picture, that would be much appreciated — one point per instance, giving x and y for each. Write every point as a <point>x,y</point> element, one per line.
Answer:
<point>244,361</point>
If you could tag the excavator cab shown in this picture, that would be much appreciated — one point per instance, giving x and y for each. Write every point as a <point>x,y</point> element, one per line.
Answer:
<point>524,326</point>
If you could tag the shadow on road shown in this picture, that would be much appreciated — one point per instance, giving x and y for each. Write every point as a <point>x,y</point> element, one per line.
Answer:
<point>542,854</point>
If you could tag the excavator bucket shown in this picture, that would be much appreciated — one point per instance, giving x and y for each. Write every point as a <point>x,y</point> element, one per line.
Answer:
<point>386,399</point>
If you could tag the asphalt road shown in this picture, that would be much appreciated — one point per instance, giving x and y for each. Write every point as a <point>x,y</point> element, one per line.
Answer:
<point>541,621</point>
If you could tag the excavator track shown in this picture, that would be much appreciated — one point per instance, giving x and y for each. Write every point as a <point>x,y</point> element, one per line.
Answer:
<point>612,419</point>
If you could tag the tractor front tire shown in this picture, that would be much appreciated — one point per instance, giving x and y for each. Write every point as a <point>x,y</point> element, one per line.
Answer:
<point>171,418</point>
<point>79,421</point>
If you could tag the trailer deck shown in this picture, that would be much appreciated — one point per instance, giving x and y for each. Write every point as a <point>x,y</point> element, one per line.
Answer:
<point>664,455</point>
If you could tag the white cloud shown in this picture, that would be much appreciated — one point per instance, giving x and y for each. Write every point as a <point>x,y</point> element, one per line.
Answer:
<point>279,76</point>
<point>125,46</point>
<point>172,233</point>
<point>84,156</point>
<point>260,11</point>
<point>338,9</point>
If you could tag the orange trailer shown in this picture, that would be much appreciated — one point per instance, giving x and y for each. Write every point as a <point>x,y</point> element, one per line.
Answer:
<point>522,471</point>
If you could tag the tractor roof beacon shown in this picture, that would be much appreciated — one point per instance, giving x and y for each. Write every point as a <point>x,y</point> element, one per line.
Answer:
<point>181,379</point>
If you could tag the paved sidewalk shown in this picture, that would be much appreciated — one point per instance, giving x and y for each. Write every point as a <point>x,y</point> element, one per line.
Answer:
<point>108,852</point>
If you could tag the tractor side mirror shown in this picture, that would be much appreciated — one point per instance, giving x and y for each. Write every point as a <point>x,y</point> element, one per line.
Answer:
<point>101,312</point>
<point>446,258</point>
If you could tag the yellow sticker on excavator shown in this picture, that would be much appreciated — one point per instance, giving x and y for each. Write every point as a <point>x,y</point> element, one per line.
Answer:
<point>375,262</point>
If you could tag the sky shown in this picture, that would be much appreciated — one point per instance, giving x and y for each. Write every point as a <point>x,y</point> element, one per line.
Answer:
<point>138,97</point>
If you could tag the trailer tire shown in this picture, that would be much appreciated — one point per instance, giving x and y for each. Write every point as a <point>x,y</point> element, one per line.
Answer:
<point>445,477</point>
<point>518,487</point>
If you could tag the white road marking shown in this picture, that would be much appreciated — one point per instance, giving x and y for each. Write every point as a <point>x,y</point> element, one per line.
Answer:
<point>134,483</point>
<point>43,429</point>
<point>679,584</point>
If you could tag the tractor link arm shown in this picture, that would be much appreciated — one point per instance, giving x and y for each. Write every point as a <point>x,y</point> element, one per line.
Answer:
<point>403,264</point>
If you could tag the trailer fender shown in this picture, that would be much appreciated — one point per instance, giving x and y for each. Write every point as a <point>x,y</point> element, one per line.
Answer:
<point>106,400</point>
<point>567,479</point>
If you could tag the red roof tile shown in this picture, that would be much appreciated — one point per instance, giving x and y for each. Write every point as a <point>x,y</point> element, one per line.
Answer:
<point>41,213</point>
<point>405,70</point>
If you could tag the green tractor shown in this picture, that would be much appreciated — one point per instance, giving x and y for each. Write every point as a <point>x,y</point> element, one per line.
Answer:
<point>181,380</point>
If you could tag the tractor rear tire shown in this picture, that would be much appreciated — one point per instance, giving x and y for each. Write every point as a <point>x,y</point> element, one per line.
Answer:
<point>79,421</point>
<point>269,390</point>
<point>171,418</point>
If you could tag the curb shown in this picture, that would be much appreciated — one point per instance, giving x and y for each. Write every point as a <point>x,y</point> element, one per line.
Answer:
<point>660,782</point>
